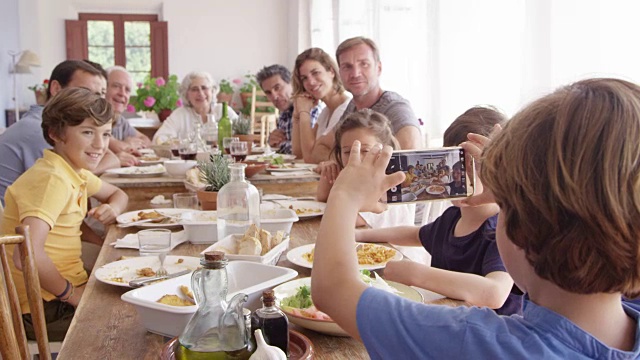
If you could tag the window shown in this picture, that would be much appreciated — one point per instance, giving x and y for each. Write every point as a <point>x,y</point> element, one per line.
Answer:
<point>137,42</point>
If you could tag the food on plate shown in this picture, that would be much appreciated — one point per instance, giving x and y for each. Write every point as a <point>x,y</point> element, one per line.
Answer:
<point>437,189</point>
<point>175,300</point>
<point>154,216</point>
<point>160,200</point>
<point>117,279</point>
<point>371,254</point>
<point>255,242</point>
<point>368,254</point>
<point>145,272</point>
<point>282,166</point>
<point>186,292</point>
<point>304,211</point>
<point>140,170</point>
<point>301,304</point>
<point>149,157</point>
<point>180,261</point>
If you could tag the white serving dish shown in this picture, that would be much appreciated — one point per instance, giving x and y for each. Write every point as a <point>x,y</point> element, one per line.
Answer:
<point>178,168</point>
<point>270,258</point>
<point>244,277</point>
<point>201,226</point>
<point>274,220</point>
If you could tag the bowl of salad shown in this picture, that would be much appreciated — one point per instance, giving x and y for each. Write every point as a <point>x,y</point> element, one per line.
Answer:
<point>294,299</point>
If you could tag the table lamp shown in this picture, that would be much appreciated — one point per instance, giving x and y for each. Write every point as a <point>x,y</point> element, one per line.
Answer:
<point>23,66</point>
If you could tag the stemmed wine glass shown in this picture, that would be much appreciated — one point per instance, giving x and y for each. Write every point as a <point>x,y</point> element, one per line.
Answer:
<point>239,150</point>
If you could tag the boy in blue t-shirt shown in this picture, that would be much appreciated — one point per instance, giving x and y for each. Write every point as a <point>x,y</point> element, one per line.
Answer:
<point>465,263</point>
<point>567,184</point>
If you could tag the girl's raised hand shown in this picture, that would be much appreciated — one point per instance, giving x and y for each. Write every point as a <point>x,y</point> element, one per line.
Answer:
<point>364,181</point>
<point>328,170</point>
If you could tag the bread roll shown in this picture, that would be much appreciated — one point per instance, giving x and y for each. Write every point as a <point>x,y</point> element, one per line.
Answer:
<point>249,246</point>
<point>265,241</point>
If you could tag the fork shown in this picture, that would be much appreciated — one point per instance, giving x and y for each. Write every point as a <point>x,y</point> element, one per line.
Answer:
<point>161,270</point>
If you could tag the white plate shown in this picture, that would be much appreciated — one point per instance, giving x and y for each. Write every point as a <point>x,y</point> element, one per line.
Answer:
<point>294,167</point>
<point>152,162</point>
<point>133,216</point>
<point>304,208</point>
<point>295,256</point>
<point>138,171</point>
<point>329,327</point>
<point>126,269</point>
<point>434,189</point>
<point>285,157</point>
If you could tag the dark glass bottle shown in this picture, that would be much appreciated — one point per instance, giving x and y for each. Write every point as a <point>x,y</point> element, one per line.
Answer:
<point>273,322</point>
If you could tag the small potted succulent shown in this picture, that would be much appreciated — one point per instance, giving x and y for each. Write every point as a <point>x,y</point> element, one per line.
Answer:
<point>215,173</point>
<point>242,129</point>
<point>226,92</point>
<point>247,88</point>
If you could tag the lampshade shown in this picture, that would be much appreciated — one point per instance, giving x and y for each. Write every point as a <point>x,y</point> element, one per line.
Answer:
<point>28,58</point>
<point>22,69</point>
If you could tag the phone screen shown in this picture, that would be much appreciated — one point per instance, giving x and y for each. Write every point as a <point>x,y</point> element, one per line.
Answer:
<point>431,174</point>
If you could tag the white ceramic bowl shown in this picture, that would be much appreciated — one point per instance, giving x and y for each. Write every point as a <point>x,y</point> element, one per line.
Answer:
<point>328,327</point>
<point>230,242</point>
<point>178,168</point>
<point>274,220</point>
<point>244,277</point>
<point>201,226</point>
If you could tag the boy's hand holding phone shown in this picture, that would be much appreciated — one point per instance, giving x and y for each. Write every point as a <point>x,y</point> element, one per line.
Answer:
<point>474,147</point>
<point>363,181</point>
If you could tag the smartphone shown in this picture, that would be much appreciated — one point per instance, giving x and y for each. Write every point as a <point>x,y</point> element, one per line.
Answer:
<point>431,174</point>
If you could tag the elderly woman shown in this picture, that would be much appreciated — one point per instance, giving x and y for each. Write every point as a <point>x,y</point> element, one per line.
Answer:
<point>316,78</point>
<point>198,92</point>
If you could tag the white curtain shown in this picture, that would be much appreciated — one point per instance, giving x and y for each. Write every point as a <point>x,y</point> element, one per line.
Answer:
<point>446,56</point>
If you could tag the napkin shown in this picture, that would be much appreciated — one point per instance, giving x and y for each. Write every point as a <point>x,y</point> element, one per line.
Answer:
<point>130,241</point>
<point>290,173</point>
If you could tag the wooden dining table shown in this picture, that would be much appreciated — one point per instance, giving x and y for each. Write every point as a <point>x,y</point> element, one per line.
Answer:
<point>105,327</point>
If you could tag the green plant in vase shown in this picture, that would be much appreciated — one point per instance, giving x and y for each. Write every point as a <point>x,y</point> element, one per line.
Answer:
<point>247,88</point>
<point>242,129</point>
<point>226,92</point>
<point>215,174</point>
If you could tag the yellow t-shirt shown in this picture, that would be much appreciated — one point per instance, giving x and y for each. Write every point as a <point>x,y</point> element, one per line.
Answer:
<point>51,191</point>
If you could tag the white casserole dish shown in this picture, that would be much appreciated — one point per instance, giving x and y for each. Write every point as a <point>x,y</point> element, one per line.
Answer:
<point>246,277</point>
<point>230,243</point>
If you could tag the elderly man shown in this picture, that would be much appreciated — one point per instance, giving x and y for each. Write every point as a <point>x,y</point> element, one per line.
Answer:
<point>360,67</point>
<point>126,140</point>
<point>275,81</point>
<point>22,143</point>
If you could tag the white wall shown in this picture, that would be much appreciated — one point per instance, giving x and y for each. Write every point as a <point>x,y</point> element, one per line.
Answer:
<point>226,38</point>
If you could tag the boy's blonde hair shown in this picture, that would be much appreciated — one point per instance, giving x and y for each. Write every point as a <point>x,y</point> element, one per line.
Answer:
<point>70,107</point>
<point>566,173</point>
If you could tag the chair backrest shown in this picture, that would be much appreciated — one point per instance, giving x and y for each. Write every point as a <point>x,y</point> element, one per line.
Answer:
<point>13,339</point>
<point>256,104</point>
<point>268,123</point>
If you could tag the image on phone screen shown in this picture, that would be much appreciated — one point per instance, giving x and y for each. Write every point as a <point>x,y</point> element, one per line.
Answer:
<point>431,174</point>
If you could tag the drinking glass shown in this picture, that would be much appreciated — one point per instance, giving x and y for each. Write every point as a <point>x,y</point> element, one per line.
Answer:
<point>155,242</point>
<point>185,201</point>
<point>174,143</point>
<point>226,143</point>
<point>239,150</point>
<point>188,149</point>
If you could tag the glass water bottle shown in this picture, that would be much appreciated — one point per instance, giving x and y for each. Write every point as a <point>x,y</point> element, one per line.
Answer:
<point>238,204</point>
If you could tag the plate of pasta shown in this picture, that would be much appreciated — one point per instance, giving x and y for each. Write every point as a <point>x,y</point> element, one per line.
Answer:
<point>370,256</point>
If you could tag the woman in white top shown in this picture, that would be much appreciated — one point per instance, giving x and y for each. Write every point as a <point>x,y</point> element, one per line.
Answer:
<point>198,92</point>
<point>316,78</point>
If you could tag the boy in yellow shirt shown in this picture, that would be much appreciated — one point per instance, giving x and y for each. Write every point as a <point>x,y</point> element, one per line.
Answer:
<point>51,197</point>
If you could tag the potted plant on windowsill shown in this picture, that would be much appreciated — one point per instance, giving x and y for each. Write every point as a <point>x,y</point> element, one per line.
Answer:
<point>226,92</point>
<point>158,96</point>
<point>242,129</point>
<point>215,173</point>
<point>246,89</point>
<point>41,91</point>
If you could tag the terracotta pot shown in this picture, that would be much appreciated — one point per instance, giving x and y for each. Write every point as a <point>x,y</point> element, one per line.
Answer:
<point>245,98</point>
<point>208,199</point>
<point>41,96</point>
<point>164,114</point>
<point>222,97</point>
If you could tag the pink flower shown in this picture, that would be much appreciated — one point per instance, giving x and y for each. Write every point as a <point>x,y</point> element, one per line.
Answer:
<point>179,103</point>
<point>238,81</point>
<point>139,85</point>
<point>149,101</point>
<point>160,81</point>
<point>131,108</point>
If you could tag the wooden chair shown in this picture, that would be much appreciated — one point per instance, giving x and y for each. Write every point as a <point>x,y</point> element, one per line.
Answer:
<point>13,339</point>
<point>268,123</point>
<point>256,103</point>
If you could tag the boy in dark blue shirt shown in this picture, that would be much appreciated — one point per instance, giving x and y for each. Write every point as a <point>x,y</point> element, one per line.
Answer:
<point>465,263</point>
